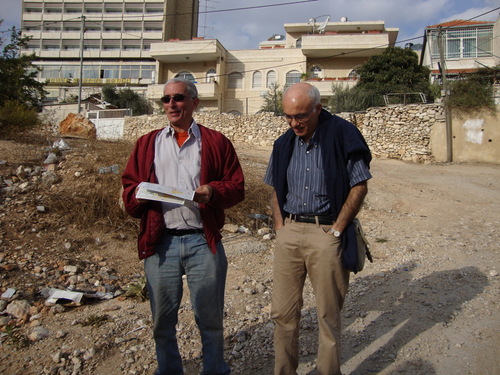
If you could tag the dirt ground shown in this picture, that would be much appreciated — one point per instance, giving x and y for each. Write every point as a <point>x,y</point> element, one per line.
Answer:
<point>427,305</point>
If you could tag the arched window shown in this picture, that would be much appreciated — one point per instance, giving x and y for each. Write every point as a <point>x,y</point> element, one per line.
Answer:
<point>353,74</point>
<point>186,75</point>
<point>316,72</point>
<point>298,43</point>
<point>211,74</point>
<point>271,78</point>
<point>292,77</point>
<point>257,79</point>
<point>235,81</point>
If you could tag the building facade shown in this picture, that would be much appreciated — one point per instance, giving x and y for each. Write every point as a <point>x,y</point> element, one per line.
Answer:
<point>236,81</point>
<point>109,39</point>
<point>466,46</point>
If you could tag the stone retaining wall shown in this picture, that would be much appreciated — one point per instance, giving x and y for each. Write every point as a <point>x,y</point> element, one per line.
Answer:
<point>401,132</point>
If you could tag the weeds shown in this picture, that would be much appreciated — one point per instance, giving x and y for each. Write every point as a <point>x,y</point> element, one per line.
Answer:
<point>96,320</point>
<point>137,290</point>
<point>15,118</point>
<point>14,337</point>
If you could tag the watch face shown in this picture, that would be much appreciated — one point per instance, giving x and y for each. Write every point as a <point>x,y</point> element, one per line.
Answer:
<point>336,233</point>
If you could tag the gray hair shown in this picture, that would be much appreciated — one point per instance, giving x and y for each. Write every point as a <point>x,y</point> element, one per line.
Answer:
<point>190,86</point>
<point>314,95</point>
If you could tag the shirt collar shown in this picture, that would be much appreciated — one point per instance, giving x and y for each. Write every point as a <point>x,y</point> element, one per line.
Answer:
<point>194,129</point>
<point>313,141</point>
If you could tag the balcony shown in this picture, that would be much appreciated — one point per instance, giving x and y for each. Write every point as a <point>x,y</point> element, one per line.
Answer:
<point>206,90</point>
<point>344,45</point>
<point>184,51</point>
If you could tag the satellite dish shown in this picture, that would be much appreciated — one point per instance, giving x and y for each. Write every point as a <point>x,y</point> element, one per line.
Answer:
<point>321,28</point>
<point>343,19</point>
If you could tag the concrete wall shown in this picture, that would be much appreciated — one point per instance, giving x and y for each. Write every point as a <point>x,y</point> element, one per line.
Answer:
<point>475,137</point>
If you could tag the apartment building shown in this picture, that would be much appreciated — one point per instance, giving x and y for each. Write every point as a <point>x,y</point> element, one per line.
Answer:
<point>235,81</point>
<point>466,47</point>
<point>109,39</point>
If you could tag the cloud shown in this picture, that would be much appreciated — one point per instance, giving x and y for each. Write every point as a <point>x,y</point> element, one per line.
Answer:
<point>245,29</point>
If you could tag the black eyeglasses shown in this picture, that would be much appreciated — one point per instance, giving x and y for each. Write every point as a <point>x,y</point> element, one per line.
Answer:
<point>177,98</point>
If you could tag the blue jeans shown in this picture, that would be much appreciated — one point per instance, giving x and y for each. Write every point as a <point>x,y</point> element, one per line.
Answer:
<point>206,278</point>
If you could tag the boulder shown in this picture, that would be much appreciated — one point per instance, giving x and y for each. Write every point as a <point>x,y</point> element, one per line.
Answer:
<point>76,125</point>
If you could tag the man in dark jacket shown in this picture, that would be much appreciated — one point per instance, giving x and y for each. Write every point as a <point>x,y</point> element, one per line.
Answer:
<point>177,239</point>
<point>319,170</point>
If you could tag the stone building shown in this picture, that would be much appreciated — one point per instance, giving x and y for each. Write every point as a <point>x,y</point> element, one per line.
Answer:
<point>235,81</point>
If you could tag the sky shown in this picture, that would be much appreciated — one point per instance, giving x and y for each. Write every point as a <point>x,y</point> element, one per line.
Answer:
<point>246,28</point>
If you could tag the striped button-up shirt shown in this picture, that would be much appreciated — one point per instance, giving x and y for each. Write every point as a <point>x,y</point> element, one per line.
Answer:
<point>307,193</point>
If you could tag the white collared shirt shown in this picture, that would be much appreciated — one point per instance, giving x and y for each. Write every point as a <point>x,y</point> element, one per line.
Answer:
<point>179,167</point>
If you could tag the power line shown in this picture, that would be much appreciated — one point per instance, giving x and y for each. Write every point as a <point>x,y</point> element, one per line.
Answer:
<point>470,19</point>
<point>103,18</point>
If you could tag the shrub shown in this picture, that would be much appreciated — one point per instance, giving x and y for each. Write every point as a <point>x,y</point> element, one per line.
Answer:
<point>347,99</point>
<point>16,117</point>
<point>471,95</point>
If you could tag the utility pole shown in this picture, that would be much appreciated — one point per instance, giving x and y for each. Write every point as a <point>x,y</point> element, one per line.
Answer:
<point>445,95</point>
<point>81,65</point>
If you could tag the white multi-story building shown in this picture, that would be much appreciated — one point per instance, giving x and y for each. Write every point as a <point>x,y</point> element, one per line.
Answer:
<point>466,47</point>
<point>116,40</point>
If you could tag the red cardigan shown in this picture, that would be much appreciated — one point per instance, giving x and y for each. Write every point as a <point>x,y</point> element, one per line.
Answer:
<point>220,168</point>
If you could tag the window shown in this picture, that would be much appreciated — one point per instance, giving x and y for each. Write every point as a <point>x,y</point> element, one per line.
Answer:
<point>298,43</point>
<point>211,74</point>
<point>147,71</point>
<point>186,75</point>
<point>235,81</point>
<point>110,71</point>
<point>50,72</point>
<point>91,47</point>
<point>292,77</point>
<point>70,71</point>
<point>257,79</point>
<point>130,71</point>
<point>316,72</point>
<point>464,43</point>
<point>271,78</point>
<point>353,74</point>
<point>50,47</point>
<point>90,71</point>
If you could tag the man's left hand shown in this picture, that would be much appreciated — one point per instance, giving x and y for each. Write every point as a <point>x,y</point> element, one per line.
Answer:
<point>203,194</point>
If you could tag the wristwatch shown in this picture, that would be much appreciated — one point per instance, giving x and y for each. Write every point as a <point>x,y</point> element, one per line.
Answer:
<point>336,233</point>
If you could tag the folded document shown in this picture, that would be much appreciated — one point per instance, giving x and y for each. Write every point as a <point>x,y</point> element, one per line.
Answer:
<point>163,193</point>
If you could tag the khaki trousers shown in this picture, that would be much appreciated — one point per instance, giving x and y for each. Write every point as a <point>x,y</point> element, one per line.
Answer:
<point>306,249</point>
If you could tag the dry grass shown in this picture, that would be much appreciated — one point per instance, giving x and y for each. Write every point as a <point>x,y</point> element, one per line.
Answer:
<point>92,201</point>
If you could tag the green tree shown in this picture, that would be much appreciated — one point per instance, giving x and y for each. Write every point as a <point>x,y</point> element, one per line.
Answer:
<point>395,71</point>
<point>273,100</point>
<point>18,73</point>
<point>126,98</point>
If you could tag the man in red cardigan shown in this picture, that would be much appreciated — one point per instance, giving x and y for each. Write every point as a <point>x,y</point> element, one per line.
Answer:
<point>175,239</point>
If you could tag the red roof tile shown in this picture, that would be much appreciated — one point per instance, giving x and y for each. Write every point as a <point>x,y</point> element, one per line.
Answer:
<point>459,23</point>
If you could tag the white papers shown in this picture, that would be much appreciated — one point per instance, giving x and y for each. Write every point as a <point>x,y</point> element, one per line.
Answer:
<point>163,193</point>
<point>64,297</point>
